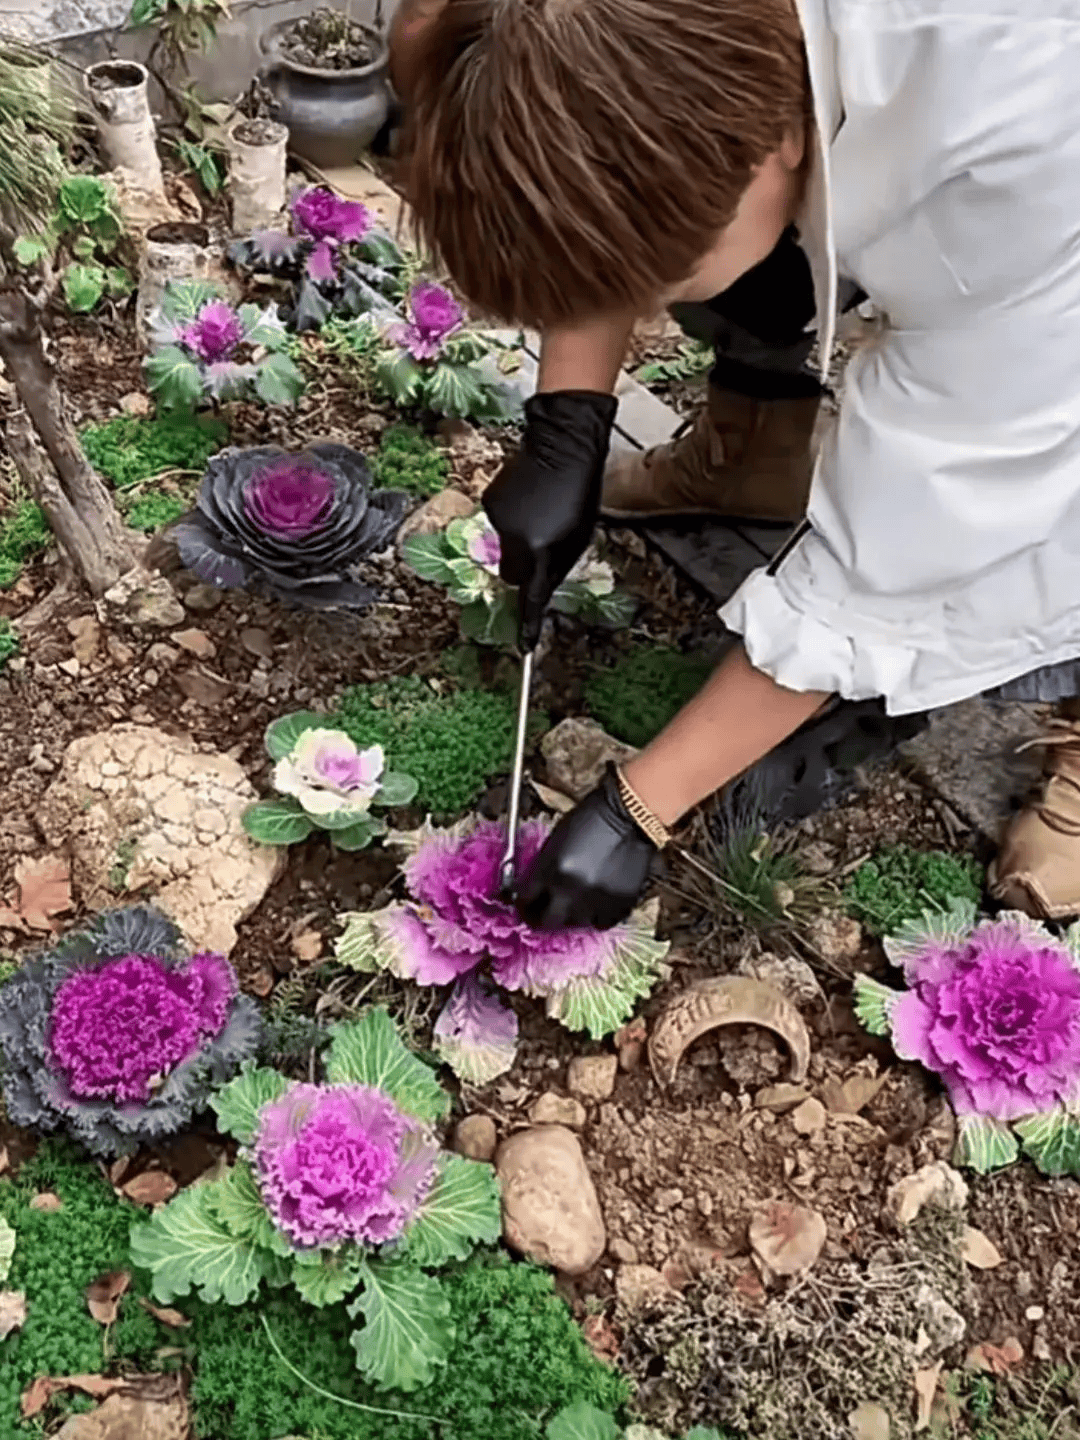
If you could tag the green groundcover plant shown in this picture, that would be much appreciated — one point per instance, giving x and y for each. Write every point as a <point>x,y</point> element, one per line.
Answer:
<point>636,697</point>
<point>277,1365</point>
<point>452,743</point>
<point>407,460</point>
<point>131,448</point>
<point>342,1191</point>
<point>464,558</point>
<point>900,883</point>
<point>324,782</point>
<point>9,641</point>
<point>24,532</point>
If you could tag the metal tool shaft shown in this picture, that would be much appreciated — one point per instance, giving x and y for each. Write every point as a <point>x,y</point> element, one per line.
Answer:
<point>506,869</point>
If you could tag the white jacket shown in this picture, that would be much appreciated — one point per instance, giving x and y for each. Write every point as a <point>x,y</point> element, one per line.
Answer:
<point>943,555</point>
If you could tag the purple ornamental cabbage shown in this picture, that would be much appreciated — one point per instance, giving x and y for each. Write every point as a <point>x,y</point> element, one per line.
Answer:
<point>341,1162</point>
<point>456,930</point>
<point>294,526</point>
<point>330,222</point>
<point>118,1037</point>
<point>434,315</point>
<point>214,335</point>
<point>994,1010</point>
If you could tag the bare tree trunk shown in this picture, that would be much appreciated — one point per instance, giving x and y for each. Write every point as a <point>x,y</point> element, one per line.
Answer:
<point>49,458</point>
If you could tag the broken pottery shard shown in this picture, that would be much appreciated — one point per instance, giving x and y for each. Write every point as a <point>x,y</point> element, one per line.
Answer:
<point>550,1209</point>
<point>730,1000</point>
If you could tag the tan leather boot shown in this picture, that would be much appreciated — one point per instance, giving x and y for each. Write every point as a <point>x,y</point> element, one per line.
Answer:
<point>741,459</point>
<point>1037,869</point>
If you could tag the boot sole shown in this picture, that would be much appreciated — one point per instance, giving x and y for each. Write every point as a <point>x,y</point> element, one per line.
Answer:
<point>725,516</point>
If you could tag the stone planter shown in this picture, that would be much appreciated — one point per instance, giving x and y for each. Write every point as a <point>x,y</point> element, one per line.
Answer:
<point>256,174</point>
<point>118,95</point>
<point>331,115</point>
<point>175,251</point>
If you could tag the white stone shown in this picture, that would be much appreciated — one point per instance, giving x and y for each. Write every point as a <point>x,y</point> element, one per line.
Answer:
<point>550,1209</point>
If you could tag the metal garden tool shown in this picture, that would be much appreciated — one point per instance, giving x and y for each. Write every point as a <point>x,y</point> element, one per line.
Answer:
<point>506,869</point>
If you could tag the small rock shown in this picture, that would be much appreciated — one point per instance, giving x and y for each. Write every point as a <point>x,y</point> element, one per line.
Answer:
<point>205,689</point>
<point>161,654</point>
<point>119,653</point>
<point>622,1251</point>
<point>257,642</point>
<point>630,1043</point>
<point>937,1184</point>
<point>665,1200</point>
<point>592,1077</point>
<point>435,514</point>
<point>787,1238</point>
<point>869,1422</point>
<point>942,1325</point>
<point>853,1095</point>
<point>836,938</point>
<point>85,632</point>
<point>809,1118</point>
<point>136,402</point>
<point>70,667</point>
<point>196,641</point>
<point>552,1109</point>
<point>637,1287</point>
<point>475,1137</point>
<point>576,753</point>
<point>550,1209</point>
<point>1034,1313</point>
<point>978,1250</point>
<point>792,977</point>
<point>781,1098</point>
<point>142,598</point>
<point>202,599</point>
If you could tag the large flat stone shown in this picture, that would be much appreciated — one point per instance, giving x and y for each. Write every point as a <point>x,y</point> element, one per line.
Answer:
<point>968,754</point>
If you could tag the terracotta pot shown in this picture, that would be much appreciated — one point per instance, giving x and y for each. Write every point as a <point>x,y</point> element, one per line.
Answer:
<point>332,115</point>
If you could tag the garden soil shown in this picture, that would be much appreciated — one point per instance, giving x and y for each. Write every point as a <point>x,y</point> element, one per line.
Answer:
<point>678,1175</point>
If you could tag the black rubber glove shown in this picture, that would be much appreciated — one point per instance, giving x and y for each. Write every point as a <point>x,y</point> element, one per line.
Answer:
<point>544,502</point>
<point>592,868</point>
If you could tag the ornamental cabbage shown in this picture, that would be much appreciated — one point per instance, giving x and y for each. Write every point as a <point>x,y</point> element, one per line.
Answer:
<point>993,1008</point>
<point>456,930</point>
<point>434,315</point>
<point>293,526</point>
<point>204,350</point>
<point>118,1036</point>
<point>341,1190</point>
<point>328,782</point>
<point>465,556</point>
<point>336,261</point>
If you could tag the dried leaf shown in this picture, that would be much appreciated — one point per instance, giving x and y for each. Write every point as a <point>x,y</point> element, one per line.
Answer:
<point>600,1337</point>
<point>45,1387</point>
<point>46,1201</point>
<point>152,1187</point>
<point>853,1095</point>
<point>869,1422</point>
<point>10,919</point>
<point>103,1295</point>
<point>118,1169</point>
<point>44,889</point>
<point>926,1382</point>
<point>749,1285</point>
<point>979,1250</point>
<point>788,1238</point>
<point>167,1316</point>
<point>307,945</point>
<point>12,1311</point>
<point>996,1359</point>
<point>553,799</point>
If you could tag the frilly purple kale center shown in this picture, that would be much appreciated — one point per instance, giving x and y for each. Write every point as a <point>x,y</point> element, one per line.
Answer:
<point>293,526</point>
<point>117,1036</point>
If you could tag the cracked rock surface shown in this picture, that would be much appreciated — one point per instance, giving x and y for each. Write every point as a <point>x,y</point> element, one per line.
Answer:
<point>142,811</point>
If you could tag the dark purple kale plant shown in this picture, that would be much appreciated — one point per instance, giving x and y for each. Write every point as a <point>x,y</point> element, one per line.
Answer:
<point>118,1036</point>
<point>294,526</point>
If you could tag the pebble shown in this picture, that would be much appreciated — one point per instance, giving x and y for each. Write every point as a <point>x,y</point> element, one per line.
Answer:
<point>195,641</point>
<point>665,1200</point>
<point>622,1250</point>
<point>592,1077</point>
<point>552,1109</point>
<point>475,1137</point>
<point>1034,1312</point>
<point>550,1206</point>
<point>809,1118</point>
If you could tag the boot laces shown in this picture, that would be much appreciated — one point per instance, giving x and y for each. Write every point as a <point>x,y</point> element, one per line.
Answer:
<point>1059,807</point>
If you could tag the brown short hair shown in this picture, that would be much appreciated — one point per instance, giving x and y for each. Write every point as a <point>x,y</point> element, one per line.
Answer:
<point>570,157</point>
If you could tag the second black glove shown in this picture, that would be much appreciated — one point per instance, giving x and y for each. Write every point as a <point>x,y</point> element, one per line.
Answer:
<point>544,502</point>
